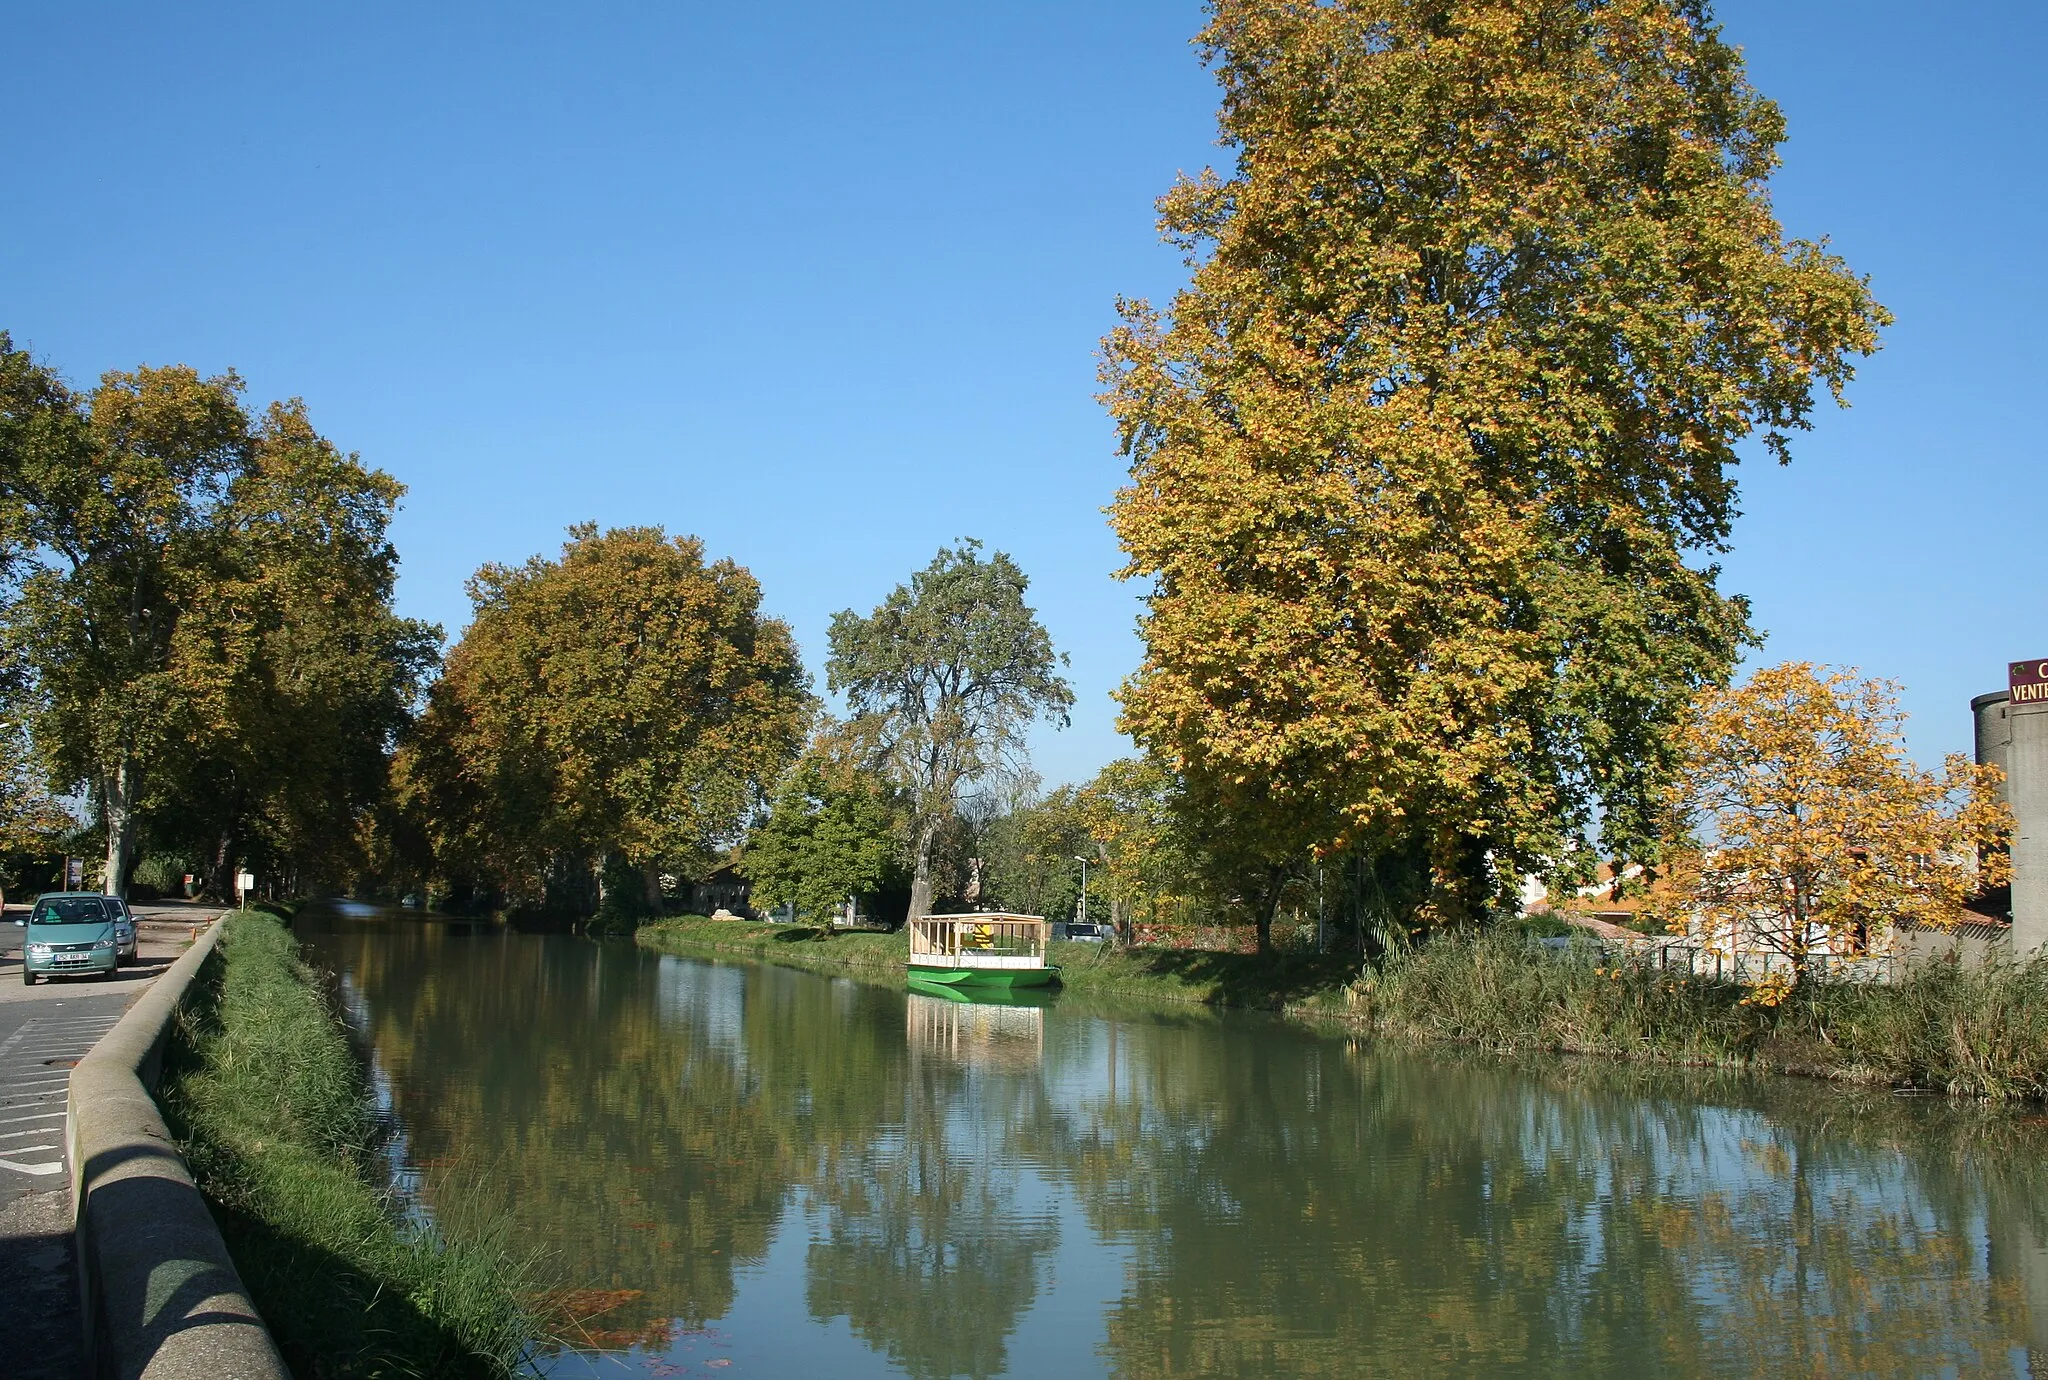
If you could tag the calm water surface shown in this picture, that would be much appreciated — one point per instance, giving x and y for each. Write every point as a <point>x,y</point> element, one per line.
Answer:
<point>765,1172</point>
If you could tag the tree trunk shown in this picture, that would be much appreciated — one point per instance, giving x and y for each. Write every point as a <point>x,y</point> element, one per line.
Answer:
<point>1269,907</point>
<point>650,879</point>
<point>118,799</point>
<point>218,881</point>
<point>921,879</point>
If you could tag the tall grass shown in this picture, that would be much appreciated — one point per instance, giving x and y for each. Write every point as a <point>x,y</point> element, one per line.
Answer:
<point>1972,1032</point>
<point>269,1105</point>
<point>1975,1032</point>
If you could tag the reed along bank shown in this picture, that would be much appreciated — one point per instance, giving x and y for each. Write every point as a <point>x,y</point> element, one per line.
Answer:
<point>1941,1027</point>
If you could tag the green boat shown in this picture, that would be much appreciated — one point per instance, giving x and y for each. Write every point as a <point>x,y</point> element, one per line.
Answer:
<point>987,950</point>
<point>981,995</point>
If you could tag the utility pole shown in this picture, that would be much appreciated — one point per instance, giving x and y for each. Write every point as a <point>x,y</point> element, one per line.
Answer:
<point>1322,928</point>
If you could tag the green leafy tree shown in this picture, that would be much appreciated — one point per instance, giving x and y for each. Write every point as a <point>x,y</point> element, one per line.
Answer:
<point>34,824</point>
<point>322,674</point>
<point>628,703</point>
<point>831,833</point>
<point>1152,866</point>
<point>112,502</point>
<point>1430,460</point>
<point>1030,855</point>
<point>201,630</point>
<point>945,676</point>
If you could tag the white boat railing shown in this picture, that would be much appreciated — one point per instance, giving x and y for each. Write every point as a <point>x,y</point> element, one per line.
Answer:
<point>988,939</point>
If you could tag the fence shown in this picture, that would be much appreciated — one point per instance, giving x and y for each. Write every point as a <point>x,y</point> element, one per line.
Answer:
<point>1675,954</point>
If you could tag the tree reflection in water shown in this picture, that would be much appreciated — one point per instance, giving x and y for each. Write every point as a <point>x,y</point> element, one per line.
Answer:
<point>1278,1202</point>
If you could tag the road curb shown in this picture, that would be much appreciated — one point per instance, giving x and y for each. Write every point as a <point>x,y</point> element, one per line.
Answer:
<point>160,1296</point>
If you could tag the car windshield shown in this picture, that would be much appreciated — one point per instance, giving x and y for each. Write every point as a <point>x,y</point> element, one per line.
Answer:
<point>68,910</point>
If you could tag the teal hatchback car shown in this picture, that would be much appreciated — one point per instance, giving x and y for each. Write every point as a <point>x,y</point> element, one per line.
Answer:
<point>68,932</point>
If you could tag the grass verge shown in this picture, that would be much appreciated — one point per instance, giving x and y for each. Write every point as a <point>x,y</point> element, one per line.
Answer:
<point>1246,981</point>
<point>268,1103</point>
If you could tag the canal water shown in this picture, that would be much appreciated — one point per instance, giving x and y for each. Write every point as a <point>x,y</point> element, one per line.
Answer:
<point>762,1172</point>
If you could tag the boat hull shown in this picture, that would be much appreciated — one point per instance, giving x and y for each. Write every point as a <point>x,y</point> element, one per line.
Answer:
<point>985,996</point>
<point>1004,979</point>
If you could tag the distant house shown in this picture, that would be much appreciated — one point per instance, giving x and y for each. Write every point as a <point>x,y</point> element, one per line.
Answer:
<point>1612,911</point>
<point>724,890</point>
<point>1608,899</point>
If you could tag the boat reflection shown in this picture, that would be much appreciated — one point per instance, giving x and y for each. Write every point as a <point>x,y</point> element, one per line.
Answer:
<point>999,1028</point>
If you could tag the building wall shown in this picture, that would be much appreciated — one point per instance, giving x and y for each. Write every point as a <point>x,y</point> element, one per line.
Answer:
<point>2014,738</point>
<point>1971,944</point>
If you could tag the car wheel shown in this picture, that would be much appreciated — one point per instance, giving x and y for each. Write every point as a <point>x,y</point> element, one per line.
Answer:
<point>28,979</point>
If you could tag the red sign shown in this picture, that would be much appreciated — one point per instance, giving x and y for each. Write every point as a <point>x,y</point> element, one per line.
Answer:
<point>2028,681</point>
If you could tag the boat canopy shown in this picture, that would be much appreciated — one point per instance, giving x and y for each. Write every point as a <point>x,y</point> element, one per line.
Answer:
<point>985,939</point>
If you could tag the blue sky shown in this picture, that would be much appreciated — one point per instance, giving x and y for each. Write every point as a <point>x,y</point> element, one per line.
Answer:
<point>822,284</point>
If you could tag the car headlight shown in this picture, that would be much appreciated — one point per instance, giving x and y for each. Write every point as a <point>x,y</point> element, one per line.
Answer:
<point>103,943</point>
<point>39,950</point>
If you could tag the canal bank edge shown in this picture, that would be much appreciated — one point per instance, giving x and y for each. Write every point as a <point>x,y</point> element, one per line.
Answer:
<point>1306,987</point>
<point>1945,1028</point>
<point>160,1296</point>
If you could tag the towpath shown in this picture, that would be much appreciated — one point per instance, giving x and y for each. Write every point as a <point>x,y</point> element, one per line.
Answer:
<point>44,1031</point>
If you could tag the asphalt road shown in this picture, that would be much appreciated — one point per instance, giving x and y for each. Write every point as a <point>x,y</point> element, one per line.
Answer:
<point>44,1031</point>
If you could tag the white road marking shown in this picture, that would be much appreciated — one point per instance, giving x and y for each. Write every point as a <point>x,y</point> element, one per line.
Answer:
<point>43,1051</point>
<point>37,1169</point>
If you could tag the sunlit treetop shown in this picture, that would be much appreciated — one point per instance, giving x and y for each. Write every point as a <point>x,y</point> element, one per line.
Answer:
<point>1429,460</point>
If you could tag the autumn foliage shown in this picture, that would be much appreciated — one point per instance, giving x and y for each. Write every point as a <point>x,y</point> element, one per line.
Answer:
<point>196,613</point>
<point>627,704</point>
<point>1425,458</point>
<point>1802,827</point>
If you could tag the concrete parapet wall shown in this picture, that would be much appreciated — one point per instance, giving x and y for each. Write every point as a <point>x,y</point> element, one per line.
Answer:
<point>161,1297</point>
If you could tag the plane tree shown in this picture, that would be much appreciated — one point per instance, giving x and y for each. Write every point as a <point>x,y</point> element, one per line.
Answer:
<point>197,628</point>
<point>627,705</point>
<point>1431,459</point>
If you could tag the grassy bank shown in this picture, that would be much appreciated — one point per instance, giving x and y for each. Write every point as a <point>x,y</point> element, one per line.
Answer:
<point>1967,1032</point>
<point>1245,981</point>
<point>268,1103</point>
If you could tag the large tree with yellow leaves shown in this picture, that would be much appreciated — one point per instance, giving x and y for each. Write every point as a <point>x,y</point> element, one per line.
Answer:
<point>626,706</point>
<point>1430,460</point>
